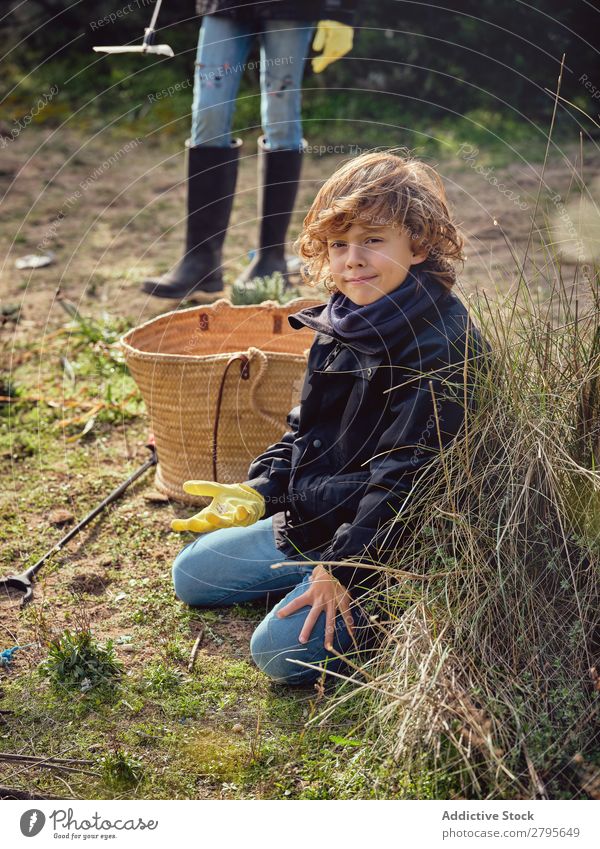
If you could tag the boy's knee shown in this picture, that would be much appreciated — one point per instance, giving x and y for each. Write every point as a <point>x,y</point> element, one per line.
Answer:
<point>274,653</point>
<point>190,579</point>
<point>182,579</point>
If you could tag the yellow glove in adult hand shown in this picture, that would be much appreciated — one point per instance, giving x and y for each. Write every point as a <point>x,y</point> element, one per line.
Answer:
<point>334,39</point>
<point>233,505</point>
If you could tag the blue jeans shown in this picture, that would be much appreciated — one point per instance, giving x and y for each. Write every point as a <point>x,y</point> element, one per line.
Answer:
<point>223,46</point>
<point>233,565</point>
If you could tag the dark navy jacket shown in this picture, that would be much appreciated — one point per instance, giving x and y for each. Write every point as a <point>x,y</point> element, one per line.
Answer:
<point>366,424</point>
<point>287,10</point>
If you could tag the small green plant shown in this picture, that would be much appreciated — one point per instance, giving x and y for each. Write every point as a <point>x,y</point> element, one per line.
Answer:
<point>261,289</point>
<point>160,678</point>
<point>77,661</point>
<point>105,331</point>
<point>120,769</point>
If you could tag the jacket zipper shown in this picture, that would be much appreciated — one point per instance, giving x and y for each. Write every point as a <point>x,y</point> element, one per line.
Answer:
<point>332,355</point>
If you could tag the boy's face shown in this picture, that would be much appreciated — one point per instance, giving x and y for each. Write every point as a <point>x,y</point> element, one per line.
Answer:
<point>367,263</point>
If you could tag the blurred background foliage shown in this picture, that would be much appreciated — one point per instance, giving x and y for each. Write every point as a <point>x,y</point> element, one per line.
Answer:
<point>414,63</point>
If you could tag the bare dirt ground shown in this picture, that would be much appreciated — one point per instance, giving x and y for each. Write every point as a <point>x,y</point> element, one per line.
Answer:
<point>114,215</point>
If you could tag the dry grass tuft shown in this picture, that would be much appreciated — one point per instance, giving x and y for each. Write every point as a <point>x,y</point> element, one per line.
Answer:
<point>483,669</point>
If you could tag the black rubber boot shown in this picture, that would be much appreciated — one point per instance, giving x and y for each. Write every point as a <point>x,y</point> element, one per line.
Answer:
<point>212,174</point>
<point>278,178</point>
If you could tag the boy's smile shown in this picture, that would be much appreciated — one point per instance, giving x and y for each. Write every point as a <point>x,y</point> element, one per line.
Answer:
<point>367,263</point>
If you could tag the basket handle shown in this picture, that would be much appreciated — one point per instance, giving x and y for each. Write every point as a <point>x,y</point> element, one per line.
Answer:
<point>264,365</point>
<point>244,360</point>
<point>244,375</point>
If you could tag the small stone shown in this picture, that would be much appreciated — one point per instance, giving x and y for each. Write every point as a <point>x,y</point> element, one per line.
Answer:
<point>127,647</point>
<point>238,728</point>
<point>60,517</point>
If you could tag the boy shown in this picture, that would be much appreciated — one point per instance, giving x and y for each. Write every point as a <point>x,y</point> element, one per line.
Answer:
<point>384,390</point>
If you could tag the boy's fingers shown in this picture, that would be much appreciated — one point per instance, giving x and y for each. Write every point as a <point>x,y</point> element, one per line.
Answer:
<point>329,625</point>
<point>319,39</point>
<point>182,524</point>
<point>309,624</point>
<point>294,604</point>
<point>199,525</point>
<point>241,513</point>
<point>218,521</point>
<point>207,488</point>
<point>348,619</point>
<point>319,63</point>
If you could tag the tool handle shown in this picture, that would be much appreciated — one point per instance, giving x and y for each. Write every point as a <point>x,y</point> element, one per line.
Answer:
<point>149,32</point>
<point>33,570</point>
<point>148,37</point>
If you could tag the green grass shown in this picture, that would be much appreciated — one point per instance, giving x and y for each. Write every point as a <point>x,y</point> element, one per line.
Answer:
<point>110,92</point>
<point>161,730</point>
<point>165,734</point>
<point>221,730</point>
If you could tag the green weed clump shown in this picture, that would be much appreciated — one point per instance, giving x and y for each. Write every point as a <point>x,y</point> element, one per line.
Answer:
<point>261,289</point>
<point>75,660</point>
<point>160,678</point>
<point>120,769</point>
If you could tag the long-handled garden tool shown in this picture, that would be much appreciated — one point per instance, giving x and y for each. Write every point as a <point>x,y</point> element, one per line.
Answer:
<point>147,45</point>
<point>24,582</point>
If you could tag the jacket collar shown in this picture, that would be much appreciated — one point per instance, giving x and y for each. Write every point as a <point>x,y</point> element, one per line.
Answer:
<point>317,319</point>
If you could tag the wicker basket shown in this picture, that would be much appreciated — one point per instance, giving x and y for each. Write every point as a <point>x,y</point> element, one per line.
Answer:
<point>218,382</point>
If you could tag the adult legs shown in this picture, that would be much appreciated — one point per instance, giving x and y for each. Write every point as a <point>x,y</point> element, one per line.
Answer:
<point>212,163</point>
<point>223,46</point>
<point>284,45</point>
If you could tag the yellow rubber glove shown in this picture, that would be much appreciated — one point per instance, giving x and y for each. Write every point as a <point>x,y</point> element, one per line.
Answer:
<point>233,505</point>
<point>334,40</point>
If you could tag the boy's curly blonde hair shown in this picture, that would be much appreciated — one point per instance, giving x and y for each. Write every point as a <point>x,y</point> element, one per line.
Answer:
<point>378,189</point>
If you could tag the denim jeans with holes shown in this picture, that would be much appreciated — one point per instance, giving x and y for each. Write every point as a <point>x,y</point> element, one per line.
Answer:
<point>233,565</point>
<point>223,48</point>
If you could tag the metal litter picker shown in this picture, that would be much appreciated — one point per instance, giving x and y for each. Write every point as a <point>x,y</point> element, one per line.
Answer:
<point>147,46</point>
<point>24,582</point>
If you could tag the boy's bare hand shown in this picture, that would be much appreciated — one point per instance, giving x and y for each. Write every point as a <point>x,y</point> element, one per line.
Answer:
<point>324,594</point>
